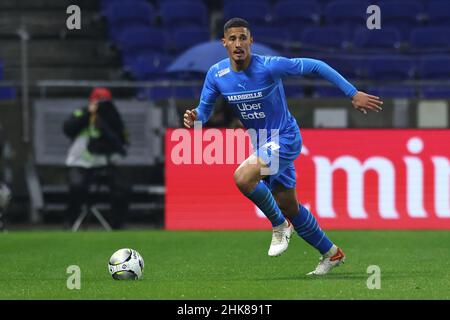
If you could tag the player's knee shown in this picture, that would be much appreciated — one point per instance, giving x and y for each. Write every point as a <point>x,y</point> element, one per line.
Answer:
<point>243,182</point>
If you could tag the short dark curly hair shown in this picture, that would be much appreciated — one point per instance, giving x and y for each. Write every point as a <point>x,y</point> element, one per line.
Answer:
<point>236,23</point>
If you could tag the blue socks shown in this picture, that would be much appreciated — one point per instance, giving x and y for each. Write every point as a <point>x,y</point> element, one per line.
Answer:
<point>304,223</point>
<point>263,198</point>
<point>307,227</point>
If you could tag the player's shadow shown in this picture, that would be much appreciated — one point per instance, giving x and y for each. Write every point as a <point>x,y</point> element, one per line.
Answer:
<point>337,276</point>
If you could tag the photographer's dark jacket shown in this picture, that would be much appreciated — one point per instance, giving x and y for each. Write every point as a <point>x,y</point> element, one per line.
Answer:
<point>95,143</point>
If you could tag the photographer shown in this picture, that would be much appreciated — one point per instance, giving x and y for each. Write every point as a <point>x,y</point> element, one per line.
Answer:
<point>98,137</point>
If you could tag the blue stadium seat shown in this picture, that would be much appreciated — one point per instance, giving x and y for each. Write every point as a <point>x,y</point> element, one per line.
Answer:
<point>176,15</point>
<point>159,3</point>
<point>184,38</point>
<point>394,91</point>
<point>327,92</point>
<point>234,2</point>
<point>150,67</point>
<point>106,4</point>
<point>348,66</point>
<point>122,16</point>
<point>257,14</point>
<point>275,37</point>
<point>296,14</point>
<point>323,37</point>
<point>386,38</point>
<point>431,38</point>
<point>293,91</point>
<point>137,41</point>
<point>188,91</point>
<point>326,2</point>
<point>435,92</point>
<point>345,13</point>
<point>7,93</point>
<point>389,67</point>
<point>402,14</point>
<point>434,67</point>
<point>438,13</point>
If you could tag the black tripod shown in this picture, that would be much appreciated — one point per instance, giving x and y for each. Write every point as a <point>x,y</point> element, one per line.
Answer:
<point>90,208</point>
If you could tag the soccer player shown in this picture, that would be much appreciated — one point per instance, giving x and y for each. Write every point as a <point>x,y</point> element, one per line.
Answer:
<point>252,84</point>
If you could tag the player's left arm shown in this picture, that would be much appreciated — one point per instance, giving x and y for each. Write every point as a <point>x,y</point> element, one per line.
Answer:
<point>361,101</point>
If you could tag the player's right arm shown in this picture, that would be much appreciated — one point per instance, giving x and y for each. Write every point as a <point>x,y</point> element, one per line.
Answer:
<point>207,99</point>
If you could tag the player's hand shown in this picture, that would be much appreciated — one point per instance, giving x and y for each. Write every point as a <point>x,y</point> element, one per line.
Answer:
<point>189,117</point>
<point>362,102</point>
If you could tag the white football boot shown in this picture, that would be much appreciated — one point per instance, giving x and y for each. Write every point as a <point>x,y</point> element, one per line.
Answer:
<point>280,238</point>
<point>333,258</point>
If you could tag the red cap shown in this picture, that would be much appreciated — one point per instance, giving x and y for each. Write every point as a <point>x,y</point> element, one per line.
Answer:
<point>100,94</point>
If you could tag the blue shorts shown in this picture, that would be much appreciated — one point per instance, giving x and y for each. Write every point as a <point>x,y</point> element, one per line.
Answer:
<point>279,156</point>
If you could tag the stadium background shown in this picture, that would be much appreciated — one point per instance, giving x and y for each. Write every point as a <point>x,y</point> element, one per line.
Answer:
<point>127,46</point>
<point>46,70</point>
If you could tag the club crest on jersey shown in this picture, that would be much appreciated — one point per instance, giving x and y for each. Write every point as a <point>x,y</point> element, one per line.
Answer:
<point>222,72</point>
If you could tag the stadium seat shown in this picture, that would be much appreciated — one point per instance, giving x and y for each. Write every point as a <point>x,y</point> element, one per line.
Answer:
<point>324,38</point>
<point>389,67</point>
<point>141,40</point>
<point>188,91</point>
<point>159,3</point>
<point>122,16</point>
<point>105,5</point>
<point>438,13</point>
<point>234,2</point>
<point>430,38</point>
<point>386,38</point>
<point>435,92</point>
<point>327,92</point>
<point>394,91</point>
<point>257,14</point>
<point>293,91</point>
<point>175,15</point>
<point>348,66</point>
<point>150,67</point>
<point>434,67</point>
<point>402,14</point>
<point>345,13</point>
<point>184,38</point>
<point>296,14</point>
<point>275,37</point>
<point>7,93</point>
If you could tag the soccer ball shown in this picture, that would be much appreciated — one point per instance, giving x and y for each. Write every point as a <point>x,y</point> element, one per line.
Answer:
<point>126,264</point>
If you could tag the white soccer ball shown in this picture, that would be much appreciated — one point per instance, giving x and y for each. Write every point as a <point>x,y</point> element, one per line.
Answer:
<point>126,264</point>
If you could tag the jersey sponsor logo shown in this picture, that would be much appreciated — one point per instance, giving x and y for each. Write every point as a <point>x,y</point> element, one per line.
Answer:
<point>249,111</point>
<point>222,72</point>
<point>245,96</point>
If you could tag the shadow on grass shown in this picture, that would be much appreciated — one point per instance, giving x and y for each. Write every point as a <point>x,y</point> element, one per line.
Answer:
<point>394,275</point>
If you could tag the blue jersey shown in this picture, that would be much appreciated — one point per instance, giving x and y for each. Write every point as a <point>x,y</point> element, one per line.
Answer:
<point>256,94</point>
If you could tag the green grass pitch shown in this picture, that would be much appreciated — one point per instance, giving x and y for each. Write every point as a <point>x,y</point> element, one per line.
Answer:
<point>223,265</point>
